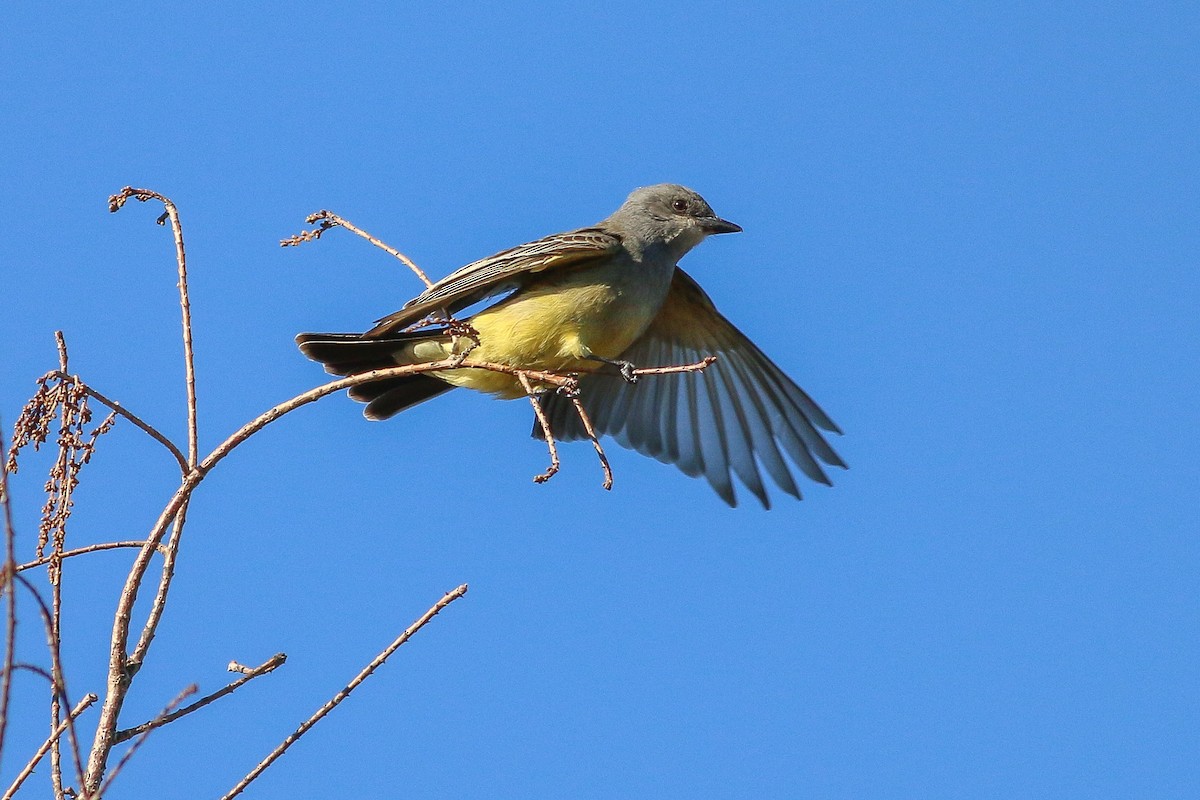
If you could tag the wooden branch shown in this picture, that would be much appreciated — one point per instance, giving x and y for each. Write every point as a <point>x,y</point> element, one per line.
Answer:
<point>58,683</point>
<point>449,598</point>
<point>150,430</point>
<point>538,411</point>
<point>248,675</point>
<point>330,220</point>
<point>170,552</point>
<point>67,411</point>
<point>112,775</point>
<point>79,551</point>
<point>79,708</point>
<point>172,213</point>
<point>591,432</point>
<point>7,586</point>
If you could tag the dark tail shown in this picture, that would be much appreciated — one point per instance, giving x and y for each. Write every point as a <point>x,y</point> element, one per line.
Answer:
<point>350,354</point>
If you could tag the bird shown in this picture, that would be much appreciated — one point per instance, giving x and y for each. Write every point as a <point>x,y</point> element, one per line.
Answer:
<point>602,301</point>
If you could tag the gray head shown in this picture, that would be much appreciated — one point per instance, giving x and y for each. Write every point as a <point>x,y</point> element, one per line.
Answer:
<point>669,214</point>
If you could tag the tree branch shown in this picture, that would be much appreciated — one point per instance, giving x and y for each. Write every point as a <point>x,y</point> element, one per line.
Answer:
<point>8,587</point>
<point>172,213</point>
<point>41,751</point>
<point>150,430</point>
<point>540,413</point>
<point>330,220</point>
<point>262,669</point>
<point>449,598</point>
<point>79,551</point>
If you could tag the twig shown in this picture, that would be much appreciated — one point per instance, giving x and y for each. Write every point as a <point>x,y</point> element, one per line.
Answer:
<point>10,571</point>
<point>330,220</point>
<point>129,415</point>
<point>46,745</point>
<point>58,681</point>
<point>552,470</point>
<point>268,666</point>
<point>172,213</point>
<point>133,748</point>
<point>591,432</point>
<point>63,466</point>
<point>171,552</point>
<point>697,366</point>
<point>79,551</point>
<point>449,598</point>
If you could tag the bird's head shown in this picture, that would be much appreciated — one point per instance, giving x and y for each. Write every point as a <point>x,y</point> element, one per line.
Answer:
<point>671,214</point>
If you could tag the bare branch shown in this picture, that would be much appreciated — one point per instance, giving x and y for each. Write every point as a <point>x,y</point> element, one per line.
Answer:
<point>133,748</point>
<point>330,220</point>
<point>698,366</point>
<point>532,393</point>
<point>41,751</point>
<point>9,572</point>
<point>449,598</point>
<point>79,551</point>
<point>150,430</point>
<point>172,213</point>
<point>56,676</point>
<point>170,552</point>
<point>67,411</point>
<point>248,675</point>
<point>591,432</point>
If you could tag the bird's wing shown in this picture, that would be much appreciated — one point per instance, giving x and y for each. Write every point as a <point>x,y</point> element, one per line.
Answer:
<point>502,272</point>
<point>740,413</point>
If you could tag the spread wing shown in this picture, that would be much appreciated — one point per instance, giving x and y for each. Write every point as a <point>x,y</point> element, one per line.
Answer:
<point>741,415</point>
<point>500,273</point>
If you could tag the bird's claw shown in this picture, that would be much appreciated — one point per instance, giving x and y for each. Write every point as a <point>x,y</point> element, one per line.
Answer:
<point>627,371</point>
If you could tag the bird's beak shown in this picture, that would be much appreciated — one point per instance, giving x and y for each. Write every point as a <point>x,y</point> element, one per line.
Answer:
<point>718,225</point>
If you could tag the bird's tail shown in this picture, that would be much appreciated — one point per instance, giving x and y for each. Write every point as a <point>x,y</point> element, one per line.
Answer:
<point>350,354</point>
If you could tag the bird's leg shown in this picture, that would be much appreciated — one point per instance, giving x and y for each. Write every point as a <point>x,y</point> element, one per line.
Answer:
<point>626,367</point>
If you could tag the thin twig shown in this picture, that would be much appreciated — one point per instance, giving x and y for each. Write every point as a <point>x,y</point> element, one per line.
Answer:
<point>79,551</point>
<point>268,666</point>
<point>591,433</point>
<point>153,432</point>
<point>697,366</point>
<point>540,413</point>
<point>449,598</point>
<point>330,220</point>
<point>10,570</point>
<point>46,745</point>
<point>55,569</point>
<point>170,553</point>
<point>133,748</point>
<point>172,213</point>
<point>56,676</point>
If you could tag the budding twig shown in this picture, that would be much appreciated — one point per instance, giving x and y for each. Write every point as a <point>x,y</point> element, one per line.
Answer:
<point>248,675</point>
<point>330,220</point>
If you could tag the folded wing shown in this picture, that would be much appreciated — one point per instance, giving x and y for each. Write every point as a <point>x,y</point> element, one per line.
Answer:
<point>502,272</point>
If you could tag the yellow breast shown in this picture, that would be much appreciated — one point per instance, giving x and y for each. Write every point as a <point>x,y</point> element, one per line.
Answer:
<point>552,328</point>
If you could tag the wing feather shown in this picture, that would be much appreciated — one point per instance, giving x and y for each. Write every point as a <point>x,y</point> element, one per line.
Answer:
<point>740,413</point>
<point>501,272</point>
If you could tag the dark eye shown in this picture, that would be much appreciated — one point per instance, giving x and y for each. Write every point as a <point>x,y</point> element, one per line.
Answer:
<point>680,205</point>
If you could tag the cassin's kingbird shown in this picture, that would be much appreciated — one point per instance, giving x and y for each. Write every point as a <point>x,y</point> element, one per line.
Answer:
<point>611,293</point>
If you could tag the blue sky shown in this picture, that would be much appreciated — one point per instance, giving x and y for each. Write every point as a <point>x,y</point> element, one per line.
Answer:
<point>970,233</point>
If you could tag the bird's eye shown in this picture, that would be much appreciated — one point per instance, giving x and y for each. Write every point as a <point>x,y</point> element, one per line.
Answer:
<point>680,205</point>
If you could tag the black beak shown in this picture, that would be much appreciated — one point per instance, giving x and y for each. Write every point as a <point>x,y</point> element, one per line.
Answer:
<point>718,225</point>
